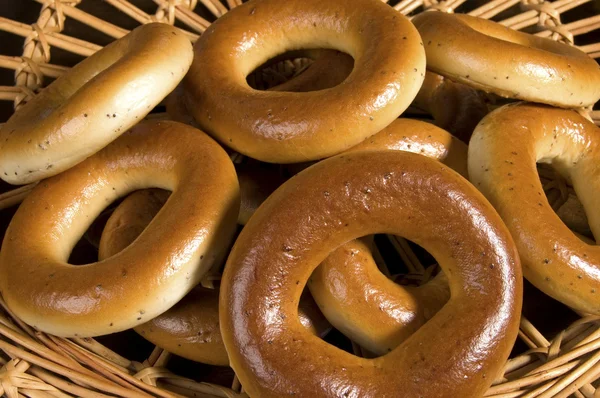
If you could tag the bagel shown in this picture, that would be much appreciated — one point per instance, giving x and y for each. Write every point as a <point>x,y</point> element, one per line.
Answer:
<point>190,328</point>
<point>366,306</point>
<point>554,259</point>
<point>169,258</point>
<point>512,64</point>
<point>93,103</point>
<point>409,135</point>
<point>284,127</point>
<point>343,198</point>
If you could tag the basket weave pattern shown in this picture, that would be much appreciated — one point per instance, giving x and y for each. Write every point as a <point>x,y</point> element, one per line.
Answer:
<point>35,364</point>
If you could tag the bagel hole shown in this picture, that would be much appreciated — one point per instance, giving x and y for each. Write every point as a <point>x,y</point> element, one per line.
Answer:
<point>85,250</point>
<point>285,67</point>
<point>399,257</point>
<point>563,199</point>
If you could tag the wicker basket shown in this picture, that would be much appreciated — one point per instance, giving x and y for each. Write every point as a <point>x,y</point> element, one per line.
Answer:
<point>560,357</point>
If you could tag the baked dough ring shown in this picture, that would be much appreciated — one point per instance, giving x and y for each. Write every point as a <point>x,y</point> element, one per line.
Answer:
<point>366,306</point>
<point>284,127</point>
<point>343,198</point>
<point>409,135</point>
<point>502,163</point>
<point>190,328</point>
<point>157,270</point>
<point>512,64</point>
<point>92,104</point>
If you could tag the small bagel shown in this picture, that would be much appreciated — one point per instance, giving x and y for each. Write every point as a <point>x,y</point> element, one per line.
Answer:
<point>414,136</point>
<point>93,103</point>
<point>512,64</point>
<point>503,153</point>
<point>354,296</point>
<point>285,127</point>
<point>455,107</point>
<point>341,199</point>
<point>366,306</point>
<point>190,328</point>
<point>409,135</point>
<point>169,258</point>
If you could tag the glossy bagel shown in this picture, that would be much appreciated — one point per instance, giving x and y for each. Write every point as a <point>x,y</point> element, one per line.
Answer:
<point>502,163</point>
<point>497,59</point>
<point>93,103</point>
<point>455,107</point>
<point>190,328</point>
<point>167,260</point>
<point>366,306</point>
<point>341,199</point>
<point>285,127</point>
<point>409,135</point>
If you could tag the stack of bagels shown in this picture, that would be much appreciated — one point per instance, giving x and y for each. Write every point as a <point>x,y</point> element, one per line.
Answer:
<point>172,262</point>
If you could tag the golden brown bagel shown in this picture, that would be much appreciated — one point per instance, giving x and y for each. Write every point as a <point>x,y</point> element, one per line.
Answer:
<point>94,103</point>
<point>415,136</point>
<point>190,328</point>
<point>503,153</point>
<point>284,127</point>
<point>419,137</point>
<point>168,259</point>
<point>343,198</point>
<point>512,64</point>
<point>455,107</point>
<point>366,306</point>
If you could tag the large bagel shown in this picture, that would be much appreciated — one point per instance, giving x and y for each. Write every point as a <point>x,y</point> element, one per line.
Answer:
<point>93,103</point>
<point>286,127</point>
<point>167,260</point>
<point>502,163</point>
<point>494,58</point>
<point>341,199</point>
